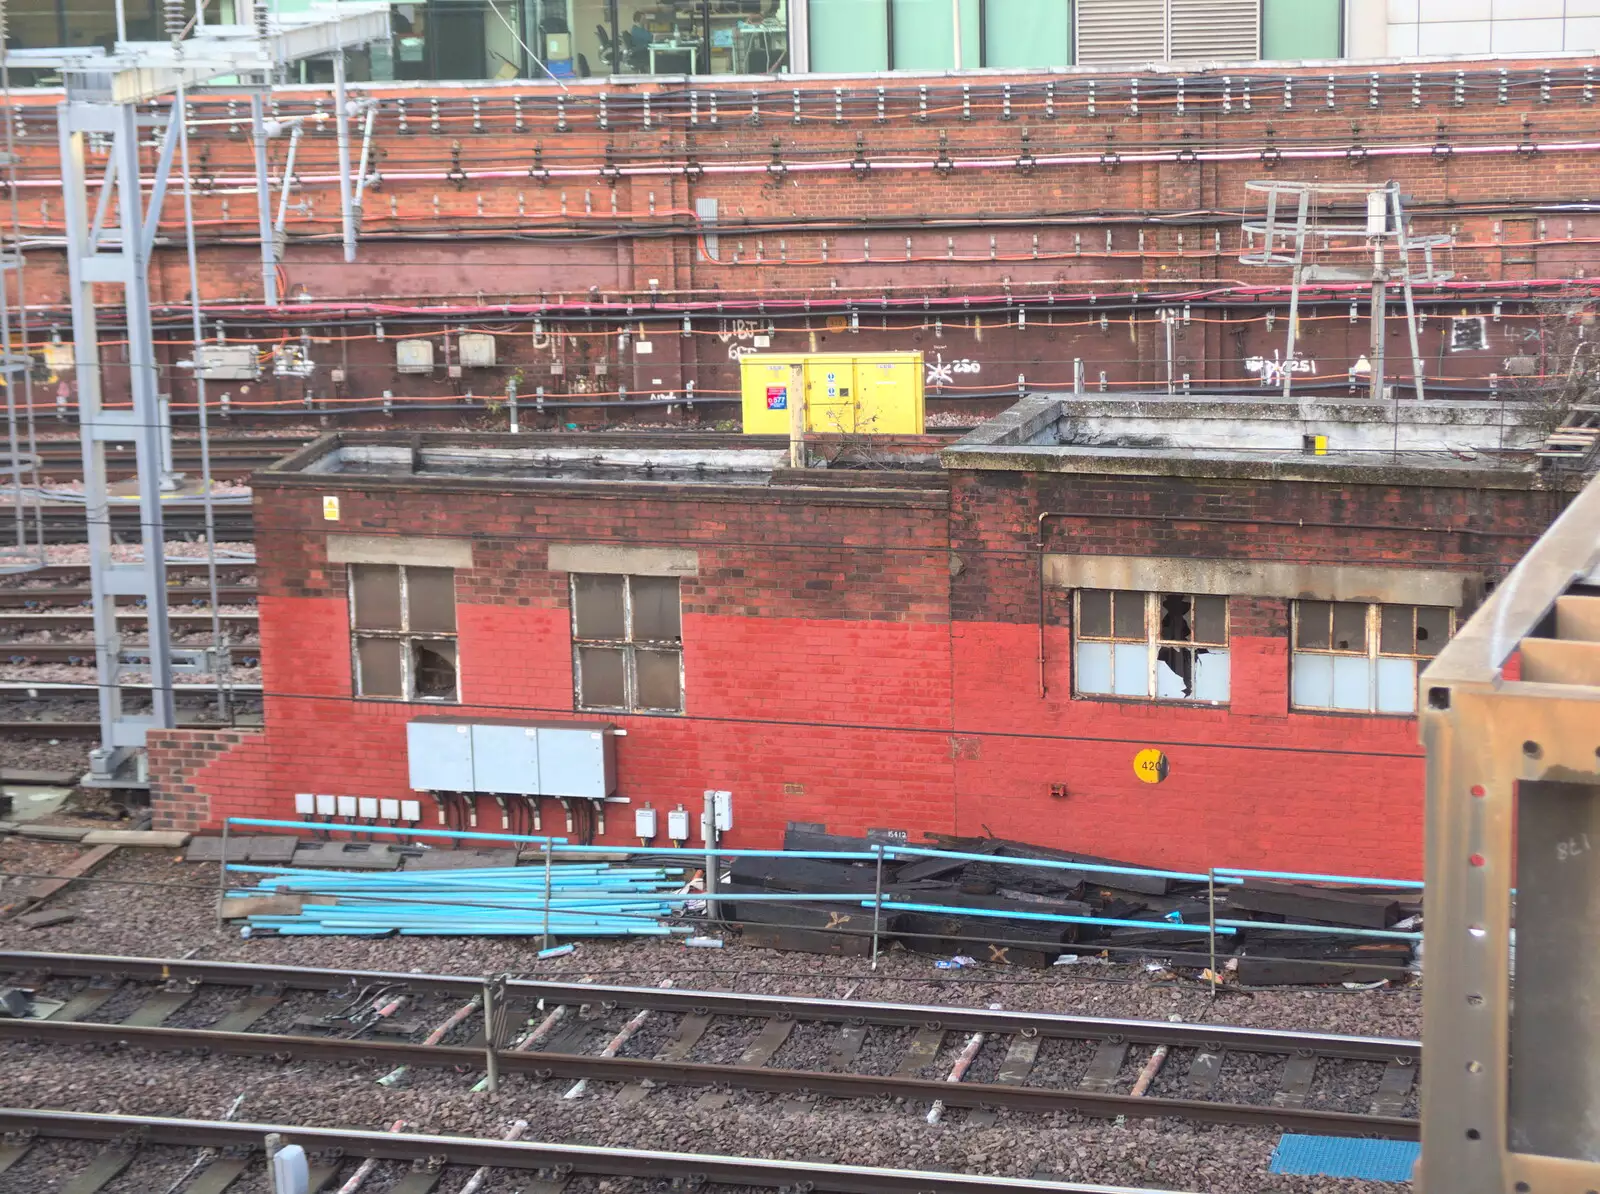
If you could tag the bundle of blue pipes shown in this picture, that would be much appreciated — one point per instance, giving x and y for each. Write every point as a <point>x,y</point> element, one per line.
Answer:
<point>592,899</point>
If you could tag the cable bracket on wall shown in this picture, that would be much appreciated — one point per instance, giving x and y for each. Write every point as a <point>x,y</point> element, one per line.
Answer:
<point>942,164</point>
<point>776,167</point>
<point>1025,160</point>
<point>859,165</point>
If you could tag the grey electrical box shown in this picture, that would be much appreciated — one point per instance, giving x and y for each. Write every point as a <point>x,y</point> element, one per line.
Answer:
<point>578,759</point>
<point>505,759</point>
<point>440,756</point>
<point>226,362</point>
<point>571,759</point>
<point>413,356</point>
<point>477,350</point>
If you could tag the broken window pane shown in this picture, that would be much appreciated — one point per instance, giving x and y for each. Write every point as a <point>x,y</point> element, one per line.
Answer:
<point>1211,620</point>
<point>1349,626</point>
<point>1174,667</point>
<point>1311,624</point>
<point>1396,635</point>
<point>1397,686</point>
<point>376,591</point>
<point>378,667</point>
<point>433,668</point>
<point>655,608</point>
<point>1177,618</point>
<point>431,599</point>
<point>1433,629</point>
<point>1311,678</point>
<point>1130,666</point>
<point>1094,666</point>
<point>657,674</point>
<point>600,682</point>
<point>1128,611</point>
<point>1352,682</point>
<point>1211,672</point>
<point>597,606</point>
<point>1094,613</point>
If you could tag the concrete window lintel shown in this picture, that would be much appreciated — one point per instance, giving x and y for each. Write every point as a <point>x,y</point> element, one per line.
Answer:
<point>1254,578</point>
<point>612,560</point>
<point>416,550</point>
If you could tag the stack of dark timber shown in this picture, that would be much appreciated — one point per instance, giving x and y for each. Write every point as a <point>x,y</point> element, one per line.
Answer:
<point>962,889</point>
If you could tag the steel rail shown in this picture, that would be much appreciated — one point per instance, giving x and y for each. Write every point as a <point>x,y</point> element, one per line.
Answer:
<point>723,1003</point>
<point>390,1054</point>
<point>526,1154</point>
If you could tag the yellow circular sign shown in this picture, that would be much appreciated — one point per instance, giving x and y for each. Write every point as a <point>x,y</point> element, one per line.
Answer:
<point>1150,766</point>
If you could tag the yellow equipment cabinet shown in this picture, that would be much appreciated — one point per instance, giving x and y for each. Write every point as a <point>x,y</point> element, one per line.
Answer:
<point>876,393</point>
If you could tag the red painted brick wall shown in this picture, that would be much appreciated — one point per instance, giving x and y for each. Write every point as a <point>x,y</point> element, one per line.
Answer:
<point>871,658</point>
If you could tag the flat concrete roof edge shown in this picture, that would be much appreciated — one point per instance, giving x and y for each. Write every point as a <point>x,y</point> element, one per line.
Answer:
<point>1317,470</point>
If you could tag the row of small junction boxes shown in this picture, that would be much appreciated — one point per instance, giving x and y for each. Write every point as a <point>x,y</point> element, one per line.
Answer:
<point>363,808</point>
<point>241,362</point>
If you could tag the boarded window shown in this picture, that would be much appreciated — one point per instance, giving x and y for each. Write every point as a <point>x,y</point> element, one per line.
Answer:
<point>627,643</point>
<point>1358,658</point>
<point>402,627</point>
<point>1151,646</point>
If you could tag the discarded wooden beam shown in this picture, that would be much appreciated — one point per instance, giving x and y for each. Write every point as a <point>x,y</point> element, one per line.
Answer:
<point>76,869</point>
<point>803,875</point>
<point>158,839</point>
<point>43,920</point>
<point>811,941</point>
<point>43,779</point>
<point>1326,904</point>
<point>238,907</point>
<point>52,833</point>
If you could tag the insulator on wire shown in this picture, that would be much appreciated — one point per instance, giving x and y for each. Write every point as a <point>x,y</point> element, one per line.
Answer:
<point>172,18</point>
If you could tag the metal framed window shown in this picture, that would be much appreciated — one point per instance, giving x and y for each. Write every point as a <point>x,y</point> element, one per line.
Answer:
<point>403,633</point>
<point>1150,646</point>
<point>627,644</point>
<point>1360,658</point>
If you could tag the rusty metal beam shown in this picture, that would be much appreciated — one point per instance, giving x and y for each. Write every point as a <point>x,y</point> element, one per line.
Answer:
<point>1511,722</point>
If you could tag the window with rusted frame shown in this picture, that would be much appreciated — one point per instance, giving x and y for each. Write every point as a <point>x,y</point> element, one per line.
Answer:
<point>1356,657</point>
<point>403,633</point>
<point>1150,646</point>
<point>627,644</point>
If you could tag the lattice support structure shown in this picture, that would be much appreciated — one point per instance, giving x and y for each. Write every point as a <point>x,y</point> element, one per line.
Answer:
<point>103,91</point>
<point>1291,240</point>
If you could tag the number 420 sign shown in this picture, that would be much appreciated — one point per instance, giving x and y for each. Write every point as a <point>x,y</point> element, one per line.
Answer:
<point>1150,766</point>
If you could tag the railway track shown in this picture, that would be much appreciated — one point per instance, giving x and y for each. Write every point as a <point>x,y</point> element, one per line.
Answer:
<point>122,1142</point>
<point>232,457</point>
<point>12,622</point>
<point>16,597</point>
<point>1025,1062</point>
<point>64,522</point>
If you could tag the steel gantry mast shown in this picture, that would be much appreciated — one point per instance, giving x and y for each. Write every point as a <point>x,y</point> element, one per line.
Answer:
<point>103,91</point>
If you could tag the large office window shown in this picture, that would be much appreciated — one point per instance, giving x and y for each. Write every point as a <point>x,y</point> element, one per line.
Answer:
<point>860,36</point>
<point>849,36</point>
<point>1027,33</point>
<point>1297,29</point>
<point>925,35</point>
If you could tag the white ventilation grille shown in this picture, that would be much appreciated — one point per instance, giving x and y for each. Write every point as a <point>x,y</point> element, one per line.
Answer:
<point>1112,31</point>
<point>1127,31</point>
<point>1216,29</point>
